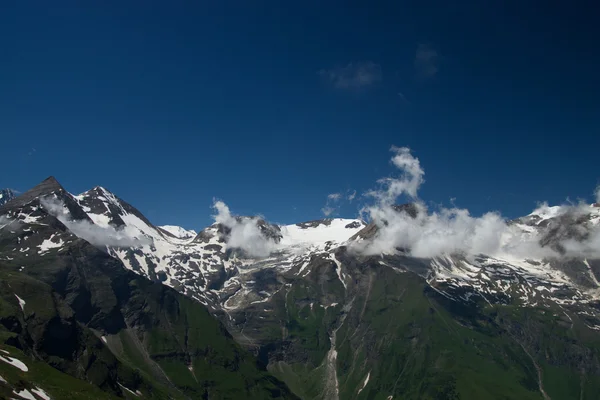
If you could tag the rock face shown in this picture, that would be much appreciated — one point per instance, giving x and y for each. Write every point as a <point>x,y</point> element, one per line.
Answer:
<point>328,321</point>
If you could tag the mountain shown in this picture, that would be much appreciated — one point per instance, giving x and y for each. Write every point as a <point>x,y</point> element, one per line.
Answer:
<point>74,323</point>
<point>6,195</point>
<point>330,321</point>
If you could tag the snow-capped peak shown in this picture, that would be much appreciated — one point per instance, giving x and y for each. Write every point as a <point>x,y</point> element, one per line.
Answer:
<point>545,212</point>
<point>319,232</point>
<point>179,232</point>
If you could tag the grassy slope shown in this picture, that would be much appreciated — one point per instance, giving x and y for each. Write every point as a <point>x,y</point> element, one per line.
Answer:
<point>417,345</point>
<point>57,384</point>
<point>166,332</point>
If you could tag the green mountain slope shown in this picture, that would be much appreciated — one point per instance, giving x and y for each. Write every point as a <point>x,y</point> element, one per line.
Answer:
<point>390,335</point>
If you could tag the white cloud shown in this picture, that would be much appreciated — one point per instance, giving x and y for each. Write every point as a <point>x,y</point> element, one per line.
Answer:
<point>454,230</point>
<point>352,196</point>
<point>327,210</point>
<point>332,204</point>
<point>245,233</point>
<point>92,233</point>
<point>334,196</point>
<point>408,183</point>
<point>597,194</point>
<point>426,61</point>
<point>354,75</point>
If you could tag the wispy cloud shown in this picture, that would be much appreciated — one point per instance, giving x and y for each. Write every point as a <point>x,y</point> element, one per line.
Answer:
<point>331,206</point>
<point>351,196</point>
<point>426,61</point>
<point>245,233</point>
<point>328,210</point>
<point>336,200</point>
<point>597,194</point>
<point>92,233</point>
<point>334,196</point>
<point>353,76</point>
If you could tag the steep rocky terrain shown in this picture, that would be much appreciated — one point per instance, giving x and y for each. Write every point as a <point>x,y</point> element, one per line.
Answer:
<point>328,320</point>
<point>68,306</point>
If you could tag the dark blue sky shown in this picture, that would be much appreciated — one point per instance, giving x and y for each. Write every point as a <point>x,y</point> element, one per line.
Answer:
<point>270,106</point>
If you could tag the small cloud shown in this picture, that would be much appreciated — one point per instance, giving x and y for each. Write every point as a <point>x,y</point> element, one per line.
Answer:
<point>330,208</point>
<point>244,233</point>
<point>597,194</point>
<point>334,196</point>
<point>31,152</point>
<point>403,97</point>
<point>327,210</point>
<point>353,76</point>
<point>352,196</point>
<point>336,200</point>
<point>426,61</point>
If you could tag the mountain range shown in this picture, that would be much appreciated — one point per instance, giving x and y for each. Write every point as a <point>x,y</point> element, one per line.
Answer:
<point>97,302</point>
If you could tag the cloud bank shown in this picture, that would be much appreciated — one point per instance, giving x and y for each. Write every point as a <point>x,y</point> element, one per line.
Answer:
<point>92,233</point>
<point>454,230</point>
<point>245,234</point>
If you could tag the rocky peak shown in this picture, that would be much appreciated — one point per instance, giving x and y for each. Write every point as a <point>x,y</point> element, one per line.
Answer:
<point>409,208</point>
<point>46,187</point>
<point>49,189</point>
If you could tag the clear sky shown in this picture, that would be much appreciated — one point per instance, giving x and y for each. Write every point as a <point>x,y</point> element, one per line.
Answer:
<point>271,106</point>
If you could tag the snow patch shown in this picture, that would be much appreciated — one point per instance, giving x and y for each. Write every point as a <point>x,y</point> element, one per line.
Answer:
<point>25,394</point>
<point>21,302</point>
<point>41,393</point>
<point>364,383</point>
<point>336,231</point>
<point>129,390</point>
<point>48,244</point>
<point>15,363</point>
<point>338,269</point>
